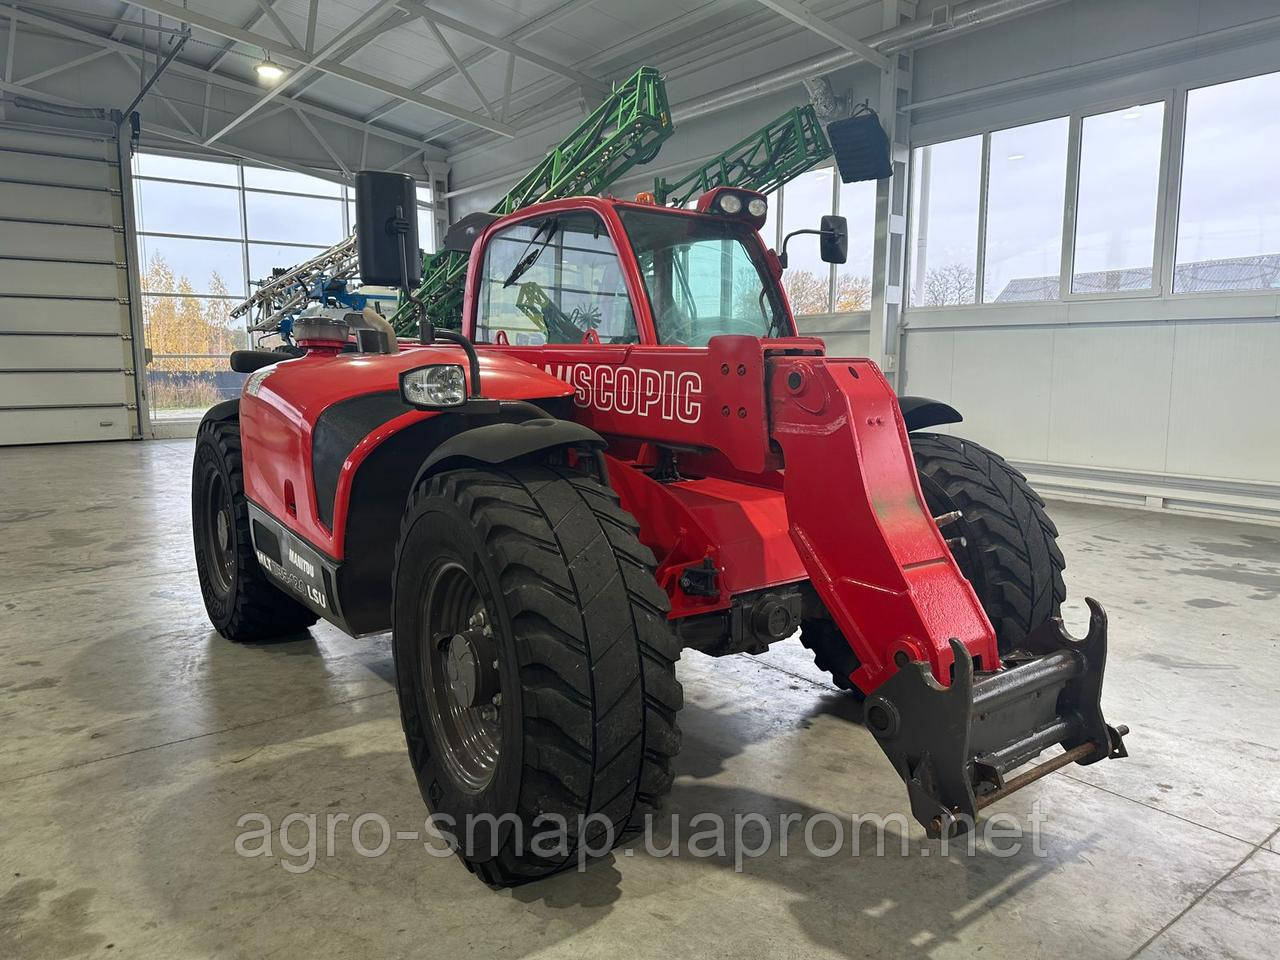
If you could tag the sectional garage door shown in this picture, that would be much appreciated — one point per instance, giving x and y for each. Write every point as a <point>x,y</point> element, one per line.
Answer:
<point>66,355</point>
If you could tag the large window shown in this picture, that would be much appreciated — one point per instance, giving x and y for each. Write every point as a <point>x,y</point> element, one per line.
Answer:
<point>207,232</point>
<point>946,179</point>
<point>1229,214</point>
<point>856,202</point>
<point>1119,189</point>
<point>806,200</point>
<point>286,218</point>
<point>812,286</point>
<point>1143,223</point>
<point>1026,177</point>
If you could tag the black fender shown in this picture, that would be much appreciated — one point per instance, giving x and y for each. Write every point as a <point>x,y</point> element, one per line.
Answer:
<point>498,443</point>
<point>921,412</point>
<point>226,410</point>
<point>247,361</point>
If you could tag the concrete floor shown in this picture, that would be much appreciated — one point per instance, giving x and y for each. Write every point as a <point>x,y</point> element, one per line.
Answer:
<point>134,738</point>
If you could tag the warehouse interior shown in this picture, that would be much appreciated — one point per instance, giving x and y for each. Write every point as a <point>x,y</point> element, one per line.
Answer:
<point>1078,249</point>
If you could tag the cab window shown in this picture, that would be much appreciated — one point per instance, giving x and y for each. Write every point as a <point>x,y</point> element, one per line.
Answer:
<point>704,275</point>
<point>552,280</point>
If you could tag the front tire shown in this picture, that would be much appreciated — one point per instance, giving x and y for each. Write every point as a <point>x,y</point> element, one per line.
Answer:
<point>1004,543</point>
<point>534,665</point>
<point>242,604</point>
<point>1010,552</point>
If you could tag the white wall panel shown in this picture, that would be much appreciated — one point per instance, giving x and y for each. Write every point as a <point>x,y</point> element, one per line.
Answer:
<point>41,315</point>
<point>845,335</point>
<point>66,353</point>
<point>34,141</point>
<point>32,202</point>
<point>20,238</point>
<point>930,362</point>
<point>1225,403</point>
<point>35,352</point>
<point>1109,402</point>
<point>1001,383</point>
<point>63,389</point>
<point>65,426</point>
<point>1180,411</point>
<point>48,167</point>
<point>50,278</point>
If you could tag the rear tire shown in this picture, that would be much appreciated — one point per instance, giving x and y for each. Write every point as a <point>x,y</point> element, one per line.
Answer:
<point>528,584</point>
<point>242,603</point>
<point>1010,553</point>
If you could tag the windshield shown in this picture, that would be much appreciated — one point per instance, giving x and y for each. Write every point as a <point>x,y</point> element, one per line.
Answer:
<point>704,277</point>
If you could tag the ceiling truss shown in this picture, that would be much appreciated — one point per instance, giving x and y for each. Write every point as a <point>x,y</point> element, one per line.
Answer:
<point>136,56</point>
<point>294,43</point>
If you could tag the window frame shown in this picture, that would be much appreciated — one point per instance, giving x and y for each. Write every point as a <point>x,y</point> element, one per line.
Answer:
<point>641,310</point>
<point>778,223</point>
<point>345,198</point>
<point>1071,198</point>
<point>1168,185</point>
<point>1173,196</point>
<point>984,156</point>
<point>643,287</point>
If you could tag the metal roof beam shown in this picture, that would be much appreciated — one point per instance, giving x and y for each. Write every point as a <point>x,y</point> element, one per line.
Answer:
<point>225,52</point>
<point>13,39</point>
<point>320,55</point>
<point>181,137</point>
<point>547,20</point>
<point>350,45</point>
<point>313,11</point>
<point>506,46</point>
<point>459,66</point>
<point>232,32</point>
<point>59,68</point>
<point>324,144</point>
<point>799,14</point>
<point>274,17</point>
<point>201,75</point>
<point>126,11</point>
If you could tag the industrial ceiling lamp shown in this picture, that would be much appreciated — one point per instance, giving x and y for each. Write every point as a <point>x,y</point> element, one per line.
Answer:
<point>269,72</point>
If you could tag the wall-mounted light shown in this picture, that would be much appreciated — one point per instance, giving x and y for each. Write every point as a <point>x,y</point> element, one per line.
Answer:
<point>269,72</point>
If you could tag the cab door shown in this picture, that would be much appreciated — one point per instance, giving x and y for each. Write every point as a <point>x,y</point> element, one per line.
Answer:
<point>552,290</point>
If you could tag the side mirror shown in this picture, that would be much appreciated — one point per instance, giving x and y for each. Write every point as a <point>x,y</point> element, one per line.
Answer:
<point>833,239</point>
<point>387,229</point>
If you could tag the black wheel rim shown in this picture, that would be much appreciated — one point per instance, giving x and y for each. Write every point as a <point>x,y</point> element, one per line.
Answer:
<point>219,533</point>
<point>459,670</point>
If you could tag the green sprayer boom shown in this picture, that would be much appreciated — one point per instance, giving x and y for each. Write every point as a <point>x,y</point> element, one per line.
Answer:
<point>628,128</point>
<point>777,152</point>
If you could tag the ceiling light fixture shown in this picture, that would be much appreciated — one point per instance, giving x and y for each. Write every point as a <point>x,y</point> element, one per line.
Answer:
<point>1016,156</point>
<point>1131,115</point>
<point>268,71</point>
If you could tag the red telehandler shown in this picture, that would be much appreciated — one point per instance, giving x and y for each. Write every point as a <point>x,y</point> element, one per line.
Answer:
<point>629,450</point>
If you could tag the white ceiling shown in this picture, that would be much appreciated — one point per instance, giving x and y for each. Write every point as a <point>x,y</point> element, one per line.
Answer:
<point>602,39</point>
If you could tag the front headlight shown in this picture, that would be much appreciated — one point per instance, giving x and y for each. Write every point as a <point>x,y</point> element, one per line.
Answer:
<point>730,203</point>
<point>439,385</point>
<point>757,207</point>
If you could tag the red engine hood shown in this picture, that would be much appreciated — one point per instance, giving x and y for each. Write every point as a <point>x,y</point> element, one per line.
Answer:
<point>302,388</point>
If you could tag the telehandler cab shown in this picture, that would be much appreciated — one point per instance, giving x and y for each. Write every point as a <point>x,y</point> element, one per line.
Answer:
<point>626,451</point>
